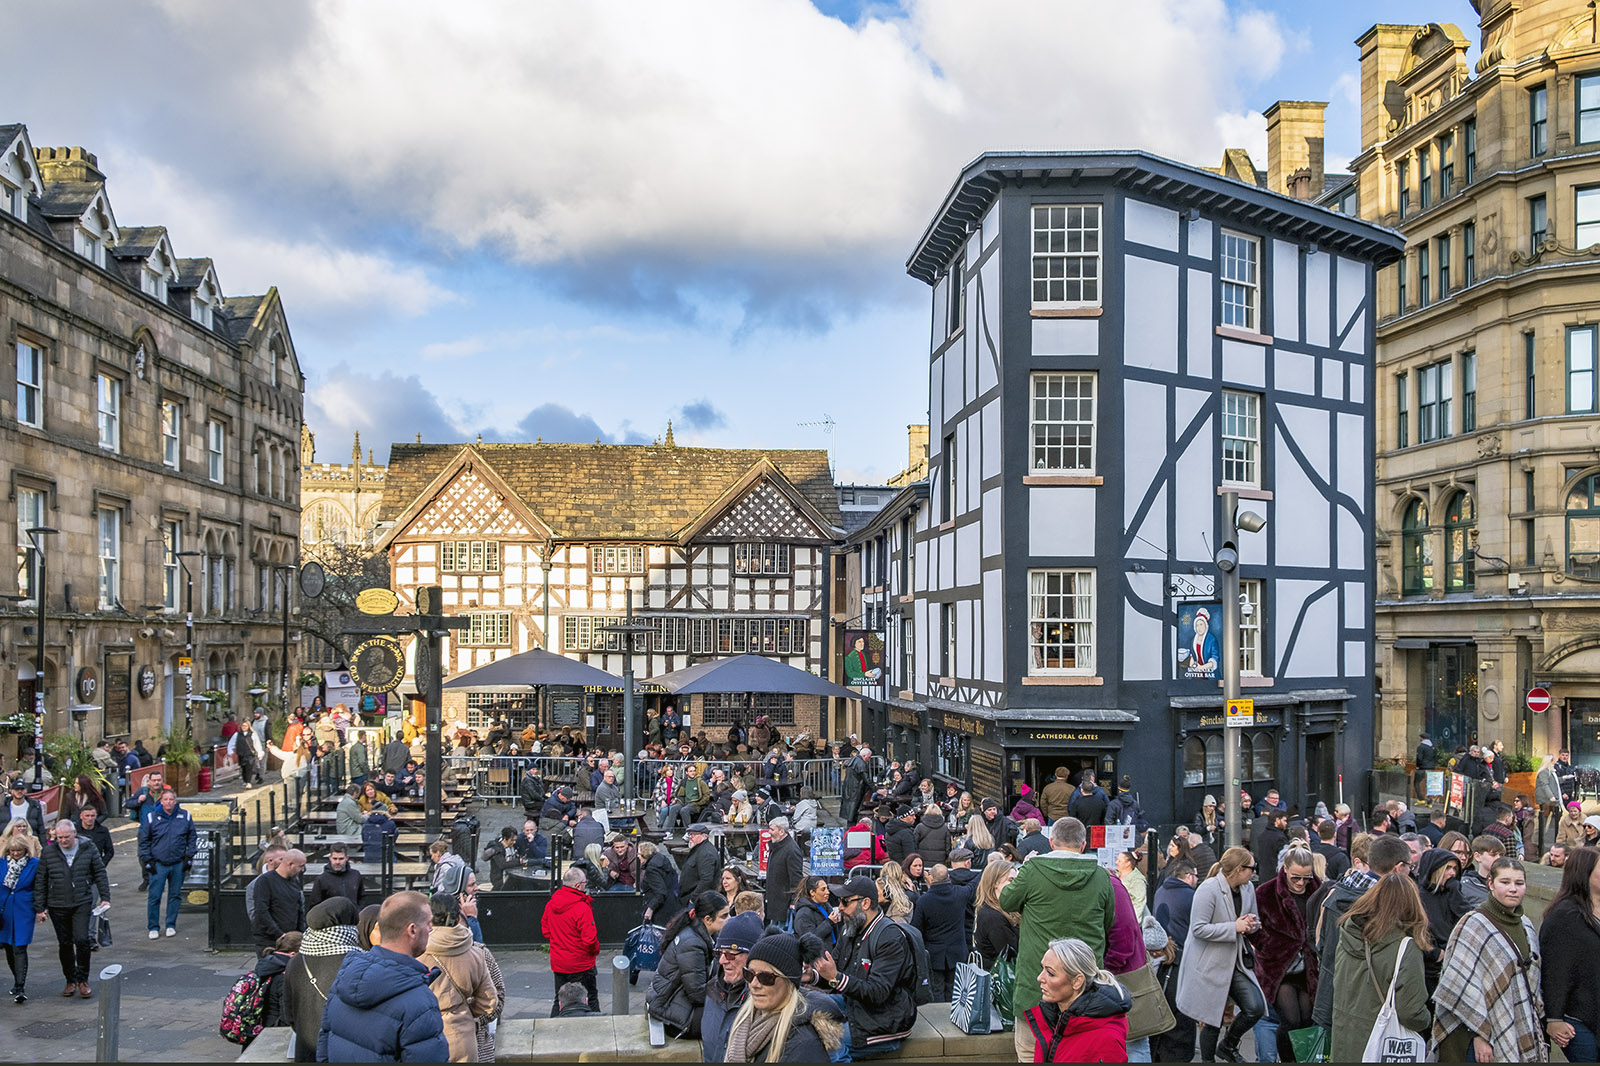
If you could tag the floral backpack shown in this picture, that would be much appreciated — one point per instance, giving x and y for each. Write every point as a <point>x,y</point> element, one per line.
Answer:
<point>243,1010</point>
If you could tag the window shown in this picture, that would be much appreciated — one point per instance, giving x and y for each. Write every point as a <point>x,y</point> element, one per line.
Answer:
<point>763,558</point>
<point>1528,503</point>
<point>1469,253</point>
<point>955,306</point>
<point>88,245</point>
<point>1241,438</point>
<point>1588,87</point>
<point>1433,402</point>
<point>1066,255</point>
<point>487,628</point>
<point>1424,178</point>
<point>1447,165</point>
<point>1460,521</point>
<point>1469,151</point>
<point>1581,369</point>
<point>153,282</point>
<point>947,465</point>
<point>171,544</point>
<point>1538,112</point>
<point>216,438</point>
<point>1202,761</point>
<point>616,559</point>
<point>1258,757</point>
<point>30,515</point>
<point>1402,172</point>
<point>1241,281</point>
<point>1401,269</point>
<point>1583,528</point>
<point>1349,202</point>
<point>905,652</point>
<point>171,433</point>
<point>110,393</point>
<point>469,557</point>
<point>1061,621</point>
<point>1416,557</point>
<point>110,544</point>
<point>30,385</point>
<point>719,710</point>
<point>1402,385</point>
<point>1586,216</point>
<point>947,639</point>
<point>1250,627</point>
<point>10,200</point>
<point>1423,279</point>
<point>1441,251</point>
<point>1063,423</point>
<point>1530,396</point>
<point>1537,225</point>
<point>1469,392</point>
<point>200,311</point>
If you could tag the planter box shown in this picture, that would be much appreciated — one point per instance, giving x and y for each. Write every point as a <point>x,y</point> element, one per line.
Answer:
<point>1519,783</point>
<point>184,780</point>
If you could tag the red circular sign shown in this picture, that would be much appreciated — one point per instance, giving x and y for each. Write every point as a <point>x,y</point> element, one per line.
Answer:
<point>1538,700</point>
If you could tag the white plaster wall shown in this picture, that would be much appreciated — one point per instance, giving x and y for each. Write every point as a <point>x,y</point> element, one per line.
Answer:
<point>1150,309</point>
<point>1295,372</point>
<point>1244,364</point>
<point>1149,224</point>
<point>1200,327</point>
<point>1317,296</point>
<point>1061,520</point>
<point>1285,290</point>
<point>1196,495</point>
<point>1066,336</point>
<point>1144,444</point>
<point>994,668</point>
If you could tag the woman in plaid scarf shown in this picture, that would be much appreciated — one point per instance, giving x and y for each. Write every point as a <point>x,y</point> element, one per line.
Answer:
<point>1489,990</point>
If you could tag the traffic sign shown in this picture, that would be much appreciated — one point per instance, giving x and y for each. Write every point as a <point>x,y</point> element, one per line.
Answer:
<point>1241,712</point>
<point>1538,700</point>
<point>183,664</point>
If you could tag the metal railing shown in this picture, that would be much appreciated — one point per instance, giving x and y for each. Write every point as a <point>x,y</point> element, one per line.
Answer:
<point>497,778</point>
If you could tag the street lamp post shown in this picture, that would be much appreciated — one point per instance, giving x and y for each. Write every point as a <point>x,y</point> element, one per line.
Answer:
<point>188,640</point>
<point>630,724</point>
<point>34,534</point>
<point>1227,560</point>
<point>285,569</point>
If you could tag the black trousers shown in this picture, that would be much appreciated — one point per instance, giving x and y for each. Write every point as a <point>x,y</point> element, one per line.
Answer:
<point>587,979</point>
<point>940,984</point>
<point>72,933</point>
<point>1248,1008</point>
<point>17,959</point>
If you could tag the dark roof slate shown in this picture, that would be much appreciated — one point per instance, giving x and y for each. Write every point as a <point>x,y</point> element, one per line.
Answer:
<point>137,242</point>
<point>626,491</point>
<point>68,199</point>
<point>191,272</point>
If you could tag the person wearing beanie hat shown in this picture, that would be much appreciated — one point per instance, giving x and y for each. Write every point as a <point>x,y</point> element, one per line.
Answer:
<point>725,988</point>
<point>780,1021</point>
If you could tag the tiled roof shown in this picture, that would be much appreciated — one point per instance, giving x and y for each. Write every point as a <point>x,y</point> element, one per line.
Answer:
<point>191,272</point>
<point>68,199</point>
<point>240,312</point>
<point>648,491</point>
<point>137,242</point>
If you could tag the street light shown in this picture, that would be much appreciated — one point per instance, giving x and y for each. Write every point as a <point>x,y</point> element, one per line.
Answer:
<point>188,639</point>
<point>34,534</point>
<point>1227,559</point>
<point>286,569</point>
<point>630,727</point>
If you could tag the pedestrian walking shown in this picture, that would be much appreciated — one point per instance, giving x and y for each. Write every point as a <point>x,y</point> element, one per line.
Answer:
<point>1082,1015</point>
<point>940,915</point>
<point>785,867</point>
<point>68,873</point>
<point>280,904</point>
<point>1286,960</point>
<point>380,1008</point>
<point>1369,957</point>
<point>19,869</point>
<point>857,780</point>
<point>92,828</point>
<point>1569,942</point>
<point>24,808</point>
<point>1217,961</point>
<point>994,934</point>
<point>1488,1003</point>
<point>166,849</point>
<point>330,935</point>
<point>568,925</point>
<point>463,988</point>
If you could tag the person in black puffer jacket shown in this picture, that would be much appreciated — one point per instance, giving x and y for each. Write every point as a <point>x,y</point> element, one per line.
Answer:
<point>813,901</point>
<point>726,988</point>
<point>657,879</point>
<point>1443,903</point>
<point>933,839</point>
<point>678,993</point>
<point>900,836</point>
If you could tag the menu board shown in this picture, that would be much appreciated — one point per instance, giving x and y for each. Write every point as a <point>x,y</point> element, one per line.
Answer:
<point>117,694</point>
<point>988,775</point>
<point>827,852</point>
<point>566,709</point>
<point>197,882</point>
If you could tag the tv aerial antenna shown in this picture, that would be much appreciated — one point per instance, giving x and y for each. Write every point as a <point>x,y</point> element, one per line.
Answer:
<point>827,425</point>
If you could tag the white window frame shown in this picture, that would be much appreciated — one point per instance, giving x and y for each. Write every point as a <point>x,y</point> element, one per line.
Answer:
<point>30,515</point>
<point>216,451</point>
<point>1240,425</point>
<point>1076,596</point>
<point>171,434</point>
<point>487,629</point>
<point>1057,251</point>
<point>108,393</point>
<point>153,282</point>
<point>760,558</point>
<point>8,198</point>
<point>616,559</point>
<point>1239,271</point>
<point>171,574</point>
<point>89,246</point>
<point>947,635</point>
<point>200,311</point>
<point>108,543</point>
<point>955,302</point>
<point>30,385</point>
<point>1586,216</point>
<point>1252,626</point>
<point>1055,412</point>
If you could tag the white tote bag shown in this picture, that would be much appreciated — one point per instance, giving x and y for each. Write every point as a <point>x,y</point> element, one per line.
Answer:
<point>1390,1041</point>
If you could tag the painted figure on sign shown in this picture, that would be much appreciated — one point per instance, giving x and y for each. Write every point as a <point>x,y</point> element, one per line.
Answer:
<point>1198,652</point>
<point>858,664</point>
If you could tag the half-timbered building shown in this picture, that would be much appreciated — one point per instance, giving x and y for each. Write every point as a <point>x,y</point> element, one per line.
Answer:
<point>723,551</point>
<point>1115,340</point>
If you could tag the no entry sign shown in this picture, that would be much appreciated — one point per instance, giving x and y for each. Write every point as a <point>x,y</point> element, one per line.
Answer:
<point>1538,700</point>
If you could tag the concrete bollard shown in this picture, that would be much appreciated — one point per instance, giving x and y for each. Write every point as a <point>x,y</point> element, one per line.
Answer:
<point>110,1013</point>
<point>620,965</point>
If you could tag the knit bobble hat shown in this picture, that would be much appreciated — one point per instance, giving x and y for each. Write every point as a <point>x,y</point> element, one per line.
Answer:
<point>781,951</point>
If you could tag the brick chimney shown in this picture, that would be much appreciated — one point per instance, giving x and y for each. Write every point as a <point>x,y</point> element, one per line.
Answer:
<point>1294,144</point>
<point>67,164</point>
<point>1383,53</point>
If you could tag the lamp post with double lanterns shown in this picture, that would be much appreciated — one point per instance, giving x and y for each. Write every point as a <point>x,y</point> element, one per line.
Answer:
<point>34,535</point>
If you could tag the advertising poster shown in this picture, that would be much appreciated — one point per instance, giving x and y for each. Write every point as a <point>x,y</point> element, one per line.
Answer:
<point>827,852</point>
<point>1199,648</point>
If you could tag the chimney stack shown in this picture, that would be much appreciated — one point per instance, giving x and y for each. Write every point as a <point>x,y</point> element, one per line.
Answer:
<point>67,164</point>
<point>1294,144</point>
<point>1383,53</point>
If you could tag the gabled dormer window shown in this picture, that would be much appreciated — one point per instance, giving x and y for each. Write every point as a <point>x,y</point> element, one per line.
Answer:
<point>89,246</point>
<point>153,282</point>
<point>200,311</point>
<point>12,202</point>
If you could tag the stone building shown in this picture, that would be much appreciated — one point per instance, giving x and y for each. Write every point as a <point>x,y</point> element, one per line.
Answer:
<point>1488,510</point>
<point>339,502</point>
<point>154,423</point>
<point>724,551</point>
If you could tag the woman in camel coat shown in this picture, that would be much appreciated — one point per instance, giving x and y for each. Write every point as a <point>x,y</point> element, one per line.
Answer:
<point>465,989</point>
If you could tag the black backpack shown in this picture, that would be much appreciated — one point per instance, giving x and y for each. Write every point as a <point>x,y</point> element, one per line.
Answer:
<point>922,990</point>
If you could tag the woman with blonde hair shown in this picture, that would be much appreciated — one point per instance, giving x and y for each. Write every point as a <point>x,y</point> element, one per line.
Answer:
<point>19,827</point>
<point>1218,964</point>
<point>780,1021</point>
<point>979,841</point>
<point>1083,1012</point>
<point>994,929</point>
<point>894,889</point>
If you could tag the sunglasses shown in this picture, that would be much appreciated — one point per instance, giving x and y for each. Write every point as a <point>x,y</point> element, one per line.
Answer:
<point>1296,880</point>
<point>764,978</point>
<point>1252,867</point>
<point>732,953</point>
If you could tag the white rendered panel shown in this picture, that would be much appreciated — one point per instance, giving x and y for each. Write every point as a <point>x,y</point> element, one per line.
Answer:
<point>935,409</point>
<point>1144,442</point>
<point>1316,651</point>
<point>1253,546</point>
<point>1304,541</point>
<point>1196,496</point>
<point>994,617</point>
<point>1355,605</point>
<point>1352,544</point>
<point>1066,336</point>
<point>1352,290</point>
<point>1151,225</point>
<point>1150,308</point>
<point>1332,379</point>
<point>963,663</point>
<point>993,543</point>
<point>1295,372</point>
<point>1061,520</point>
<point>1354,465</point>
<point>1285,290</point>
<point>969,546</point>
<point>1200,327</point>
<point>1151,542</point>
<point>1143,637</point>
<point>1200,238</point>
<point>1244,364</point>
<point>1317,296</point>
<point>1355,658</point>
<point>947,560</point>
<point>991,225</point>
<point>1358,383</point>
<point>991,438</point>
<point>953,387</point>
<point>974,246</point>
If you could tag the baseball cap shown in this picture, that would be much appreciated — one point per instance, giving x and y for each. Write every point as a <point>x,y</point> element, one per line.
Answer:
<point>863,887</point>
<point>700,827</point>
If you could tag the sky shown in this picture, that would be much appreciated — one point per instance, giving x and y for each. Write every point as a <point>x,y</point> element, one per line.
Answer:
<point>580,221</point>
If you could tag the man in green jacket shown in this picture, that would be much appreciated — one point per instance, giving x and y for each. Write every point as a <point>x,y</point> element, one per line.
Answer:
<point>357,762</point>
<point>1059,893</point>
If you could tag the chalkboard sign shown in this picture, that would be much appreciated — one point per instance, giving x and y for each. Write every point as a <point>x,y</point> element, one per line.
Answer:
<point>566,710</point>
<point>987,775</point>
<point>197,882</point>
<point>827,852</point>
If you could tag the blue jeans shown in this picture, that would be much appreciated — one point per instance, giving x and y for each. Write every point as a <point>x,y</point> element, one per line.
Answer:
<point>1266,1031</point>
<point>1583,1046</point>
<point>1139,1050</point>
<point>170,878</point>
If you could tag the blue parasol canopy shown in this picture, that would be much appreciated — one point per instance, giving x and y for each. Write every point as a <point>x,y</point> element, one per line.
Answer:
<point>530,668</point>
<point>749,673</point>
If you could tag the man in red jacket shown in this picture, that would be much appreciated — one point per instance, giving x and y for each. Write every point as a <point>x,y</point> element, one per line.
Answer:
<point>568,924</point>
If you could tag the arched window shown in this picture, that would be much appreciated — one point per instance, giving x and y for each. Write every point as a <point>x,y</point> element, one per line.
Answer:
<point>1460,519</point>
<point>1416,556</point>
<point>1583,528</point>
<point>1194,762</point>
<point>1263,765</point>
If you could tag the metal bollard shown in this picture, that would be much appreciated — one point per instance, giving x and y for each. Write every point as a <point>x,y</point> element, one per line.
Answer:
<point>110,1013</point>
<point>620,965</point>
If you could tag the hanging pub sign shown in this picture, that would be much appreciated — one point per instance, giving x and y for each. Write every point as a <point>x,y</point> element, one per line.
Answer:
<point>1199,650</point>
<point>378,664</point>
<point>863,658</point>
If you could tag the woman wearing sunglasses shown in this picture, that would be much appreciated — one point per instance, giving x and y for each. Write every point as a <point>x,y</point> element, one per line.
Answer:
<point>1286,959</point>
<point>1218,961</point>
<point>780,1021</point>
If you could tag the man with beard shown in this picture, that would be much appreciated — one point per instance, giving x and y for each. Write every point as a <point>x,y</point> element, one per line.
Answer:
<point>873,970</point>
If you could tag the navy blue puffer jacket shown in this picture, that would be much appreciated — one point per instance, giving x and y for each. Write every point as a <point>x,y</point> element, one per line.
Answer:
<point>380,1010</point>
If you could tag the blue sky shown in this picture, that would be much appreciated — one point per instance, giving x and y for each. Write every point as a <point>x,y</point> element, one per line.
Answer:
<point>579,222</point>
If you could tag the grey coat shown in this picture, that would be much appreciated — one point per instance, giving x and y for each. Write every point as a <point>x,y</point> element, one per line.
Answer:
<point>1211,950</point>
